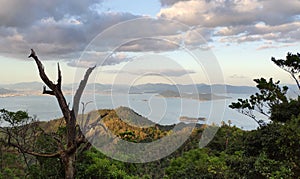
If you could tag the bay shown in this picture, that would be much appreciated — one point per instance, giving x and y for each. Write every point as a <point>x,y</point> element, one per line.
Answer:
<point>158,109</point>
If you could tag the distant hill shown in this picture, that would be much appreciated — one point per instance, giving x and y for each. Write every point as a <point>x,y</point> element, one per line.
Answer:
<point>26,86</point>
<point>201,88</point>
<point>6,91</point>
<point>218,88</point>
<point>196,96</point>
<point>139,89</point>
<point>153,88</point>
<point>293,91</point>
<point>97,87</point>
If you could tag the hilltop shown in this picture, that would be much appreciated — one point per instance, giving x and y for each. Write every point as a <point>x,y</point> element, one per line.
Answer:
<point>122,122</point>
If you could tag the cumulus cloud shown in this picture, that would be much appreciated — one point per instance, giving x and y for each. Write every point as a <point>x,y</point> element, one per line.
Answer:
<point>57,38</point>
<point>239,20</point>
<point>211,13</point>
<point>285,32</point>
<point>62,29</point>
<point>230,13</point>
<point>19,13</point>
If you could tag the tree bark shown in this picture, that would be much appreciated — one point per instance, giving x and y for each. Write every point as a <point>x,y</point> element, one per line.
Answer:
<point>69,161</point>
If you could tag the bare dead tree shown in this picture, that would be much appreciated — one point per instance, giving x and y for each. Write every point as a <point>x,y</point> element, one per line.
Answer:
<point>74,138</point>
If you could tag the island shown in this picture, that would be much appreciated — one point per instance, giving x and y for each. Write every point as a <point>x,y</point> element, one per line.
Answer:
<point>195,96</point>
<point>191,119</point>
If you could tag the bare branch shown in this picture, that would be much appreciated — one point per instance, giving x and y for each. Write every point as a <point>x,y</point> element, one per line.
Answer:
<point>59,77</point>
<point>43,75</point>
<point>20,148</point>
<point>296,80</point>
<point>45,91</point>
<point>56,89</point>
<point>80,89</point>
<point>53,155</point>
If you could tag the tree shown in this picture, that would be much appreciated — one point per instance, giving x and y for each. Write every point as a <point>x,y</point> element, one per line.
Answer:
<point>270,95</point>
<point>66,146</point>
<point>73,138</point>
<point>94,164</point>
<point>274,147</point>
<point>18,129</point>
<point>291,65</point>
<point>271,100</point>
<point>285,111</point>
<point>197,163</point>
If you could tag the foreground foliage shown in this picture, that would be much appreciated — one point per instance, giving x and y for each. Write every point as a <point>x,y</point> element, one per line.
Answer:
<point>272,151</point>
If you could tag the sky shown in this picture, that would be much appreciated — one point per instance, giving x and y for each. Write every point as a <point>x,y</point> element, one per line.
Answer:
<point>157,41</point>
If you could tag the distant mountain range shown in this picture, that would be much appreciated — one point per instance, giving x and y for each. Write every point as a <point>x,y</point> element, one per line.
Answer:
<point>193,88</point>
<point>143,88</point>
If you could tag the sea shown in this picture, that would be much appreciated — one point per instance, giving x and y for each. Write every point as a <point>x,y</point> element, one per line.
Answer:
<point>161,110</point>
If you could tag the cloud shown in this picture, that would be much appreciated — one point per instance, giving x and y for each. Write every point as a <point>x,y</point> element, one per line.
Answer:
<point>92,58</point>
<point>63,38</point>
<point>281,33</point>
<point>171,72</point>
<point>170,2</point>
<point>55,35</point>
<point>147,35</point>
<point>211,13</point>
<point>236,76</point>
<point>62,29</point>
<point>19,13</point>
<point>239,20</point>
<point>268,46</point>
<point>154,72</point>
<point>149,44</point>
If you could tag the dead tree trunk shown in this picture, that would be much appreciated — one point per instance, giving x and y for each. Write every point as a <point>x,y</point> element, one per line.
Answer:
<point>74,138</point>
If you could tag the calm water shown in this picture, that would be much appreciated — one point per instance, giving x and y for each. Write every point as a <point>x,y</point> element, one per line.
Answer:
<point>158,109</point>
